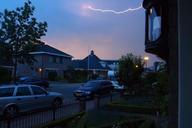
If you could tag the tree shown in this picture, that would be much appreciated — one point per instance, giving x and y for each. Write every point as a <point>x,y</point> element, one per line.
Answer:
<point>20,31</point>
<point>130,69</point>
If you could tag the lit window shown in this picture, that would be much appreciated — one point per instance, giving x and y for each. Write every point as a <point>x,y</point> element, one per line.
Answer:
<point>154,24</point>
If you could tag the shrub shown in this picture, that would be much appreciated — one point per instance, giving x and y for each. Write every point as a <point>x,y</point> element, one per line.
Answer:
<point>5,75</point>
<point>148,124</point>
<point>133,108</point>
<point>109,119</point>
<point>52,75</point>
<point>75,76</point>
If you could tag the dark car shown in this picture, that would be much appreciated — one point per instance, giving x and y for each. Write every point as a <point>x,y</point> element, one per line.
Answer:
<point>92,88</point>
<point>33,81</point>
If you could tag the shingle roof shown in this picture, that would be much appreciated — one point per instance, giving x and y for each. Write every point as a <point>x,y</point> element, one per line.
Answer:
<point>47,49</point>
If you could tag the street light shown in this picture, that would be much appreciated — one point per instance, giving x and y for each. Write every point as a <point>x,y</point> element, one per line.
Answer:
<point>41,72</point>
<point>146,58</point>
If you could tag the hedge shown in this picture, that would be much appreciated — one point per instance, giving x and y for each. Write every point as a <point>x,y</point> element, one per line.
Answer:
<point>133,108</point>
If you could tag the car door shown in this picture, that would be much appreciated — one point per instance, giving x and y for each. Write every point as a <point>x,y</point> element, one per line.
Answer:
<point>102,88</point>
<point>106,87</point>
<point>42,98</point>
<point>24,99</point>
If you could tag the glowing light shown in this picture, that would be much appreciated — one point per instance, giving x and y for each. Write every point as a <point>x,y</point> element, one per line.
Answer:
<point>113,11</point>
<point>86,6</point>
<point>40,69</point>
<point>146,58</point>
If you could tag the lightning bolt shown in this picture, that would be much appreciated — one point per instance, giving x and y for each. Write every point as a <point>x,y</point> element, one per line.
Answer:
<point>113,11</point>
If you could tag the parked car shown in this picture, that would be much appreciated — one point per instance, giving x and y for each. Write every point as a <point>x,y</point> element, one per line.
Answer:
<point>117,86</point>
<point>33,81</point>
<point>22,98</point>
<point>92,88</point>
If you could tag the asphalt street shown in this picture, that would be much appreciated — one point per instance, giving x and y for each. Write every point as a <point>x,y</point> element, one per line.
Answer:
<point>65,88</point>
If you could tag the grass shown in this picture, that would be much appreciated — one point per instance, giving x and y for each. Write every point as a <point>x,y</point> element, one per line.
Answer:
<point>133,106</point>
<point>114,115</point>
<point>69,122</point>
<point>102,118</point>
<point>108,119</point>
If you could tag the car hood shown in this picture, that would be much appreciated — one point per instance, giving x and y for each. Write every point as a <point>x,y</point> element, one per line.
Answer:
<point>55,94</point>
<point>84,89</point>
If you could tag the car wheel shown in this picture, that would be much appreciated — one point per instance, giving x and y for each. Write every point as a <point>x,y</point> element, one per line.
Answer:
<point>57,103</point>
<point>11,111</point>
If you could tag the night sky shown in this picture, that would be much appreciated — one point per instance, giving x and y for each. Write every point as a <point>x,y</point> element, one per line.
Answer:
<point>76,30</point>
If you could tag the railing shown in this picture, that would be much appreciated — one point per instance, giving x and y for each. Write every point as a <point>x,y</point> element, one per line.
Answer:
<point>41,117</point>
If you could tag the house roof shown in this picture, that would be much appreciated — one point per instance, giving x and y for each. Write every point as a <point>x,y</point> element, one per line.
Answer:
<point>110,61</point>
<point>90,62</point>
<point>47,49</point>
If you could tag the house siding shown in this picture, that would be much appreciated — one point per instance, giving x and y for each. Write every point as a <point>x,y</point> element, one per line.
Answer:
<point>47,64</point>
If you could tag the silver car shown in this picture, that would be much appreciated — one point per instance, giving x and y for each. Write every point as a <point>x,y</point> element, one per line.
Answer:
<point>21,98</point>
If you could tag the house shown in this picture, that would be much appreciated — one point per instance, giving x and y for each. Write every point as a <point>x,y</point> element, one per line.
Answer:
<point>95,65</point>
<point>48,59</point>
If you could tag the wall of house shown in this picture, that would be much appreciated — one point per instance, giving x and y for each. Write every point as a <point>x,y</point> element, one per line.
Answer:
<point>43,65</point>
<point>173,63</point>
<point>185,64</point>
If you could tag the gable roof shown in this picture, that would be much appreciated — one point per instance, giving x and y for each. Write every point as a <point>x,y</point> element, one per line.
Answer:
<point>90,62</point>
<point>47,49</point>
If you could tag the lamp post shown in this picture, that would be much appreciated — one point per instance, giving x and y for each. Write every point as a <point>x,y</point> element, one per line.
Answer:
<point>146,58</point>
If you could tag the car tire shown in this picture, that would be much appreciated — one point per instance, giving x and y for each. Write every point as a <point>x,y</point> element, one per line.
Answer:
<point>57,103</point>
<point>11,111</point>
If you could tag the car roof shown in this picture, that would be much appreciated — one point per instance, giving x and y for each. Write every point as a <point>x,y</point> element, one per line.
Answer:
<point>16,85</point>
<point>98,81</point>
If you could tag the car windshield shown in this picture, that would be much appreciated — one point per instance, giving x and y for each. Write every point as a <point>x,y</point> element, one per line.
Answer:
<point>114,82</point>
<point>91,85</point>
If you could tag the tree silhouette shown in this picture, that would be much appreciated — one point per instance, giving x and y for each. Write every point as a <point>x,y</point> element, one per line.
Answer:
<point>20,31</point>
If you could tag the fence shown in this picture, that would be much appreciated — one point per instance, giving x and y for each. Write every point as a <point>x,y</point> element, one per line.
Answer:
<point>41,117</point>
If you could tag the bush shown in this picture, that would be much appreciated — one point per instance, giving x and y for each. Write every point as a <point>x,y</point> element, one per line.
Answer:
<point>134,108</point>
<point>5,75</point>
<point>52,76</point>
<point>148,124</point>
<point>162,92</point>
<point>75,76</point>
<point>109,119</point>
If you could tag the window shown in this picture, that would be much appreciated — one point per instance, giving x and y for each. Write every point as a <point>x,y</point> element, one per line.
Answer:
<point>54,59</point>
<point>50,59</point>
<point>23,91</point>
<point>154,23</point>
<point>61,60</point>
<point>38,91</point>
<point>6,92</point>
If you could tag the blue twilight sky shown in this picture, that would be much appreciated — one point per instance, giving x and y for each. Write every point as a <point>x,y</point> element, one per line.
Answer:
<point>76,30</point>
